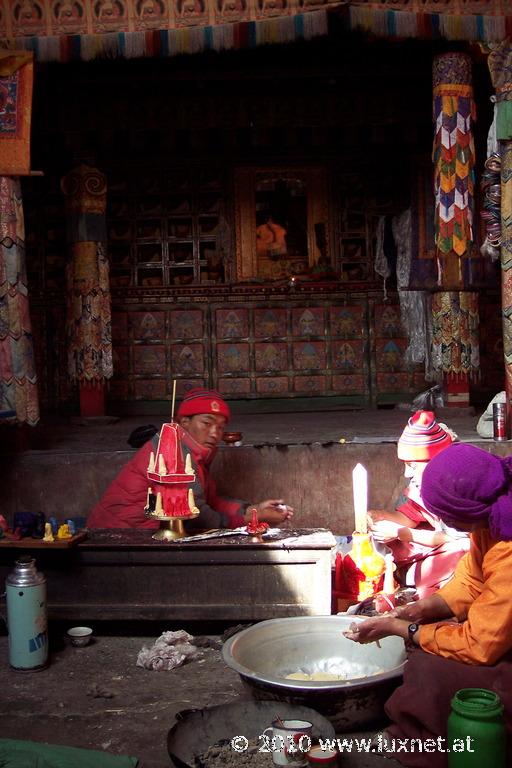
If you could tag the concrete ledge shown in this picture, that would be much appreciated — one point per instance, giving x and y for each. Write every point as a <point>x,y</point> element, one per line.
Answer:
<point>316,479</point>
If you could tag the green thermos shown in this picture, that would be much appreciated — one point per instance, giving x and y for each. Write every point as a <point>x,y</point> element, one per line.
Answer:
<point>476,731</point>
<point>26,616</point>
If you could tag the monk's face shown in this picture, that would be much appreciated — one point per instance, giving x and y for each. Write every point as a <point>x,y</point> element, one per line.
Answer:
<point>206,428</point>
<point>414,470</point>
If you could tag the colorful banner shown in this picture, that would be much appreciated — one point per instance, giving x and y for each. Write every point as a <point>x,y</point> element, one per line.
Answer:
<point>60,30</point>
<point>172,42</point>
<point>18,380</point>
<point>500,68</point>
<point>88,324</point>
<point>16,79</point>
<point>455,334</point>
<point>475,20</point>
<point>454,159</point>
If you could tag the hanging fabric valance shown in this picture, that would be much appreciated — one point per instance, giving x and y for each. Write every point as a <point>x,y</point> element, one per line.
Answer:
<point>474,20</point>
<point>81,29</point>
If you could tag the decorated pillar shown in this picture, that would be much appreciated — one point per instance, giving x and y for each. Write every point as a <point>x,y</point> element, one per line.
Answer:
<point>19,401</point>
<point>88,292</point>
<point>500,66</point>
<point>455,306</point>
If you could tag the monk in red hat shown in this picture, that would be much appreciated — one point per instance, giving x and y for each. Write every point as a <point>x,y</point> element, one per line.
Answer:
<point>203,414</point>
<point>425,550</point>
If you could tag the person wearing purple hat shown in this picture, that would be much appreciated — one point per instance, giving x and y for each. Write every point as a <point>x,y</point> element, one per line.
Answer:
<point>203,414</point>
<point>461,637</point>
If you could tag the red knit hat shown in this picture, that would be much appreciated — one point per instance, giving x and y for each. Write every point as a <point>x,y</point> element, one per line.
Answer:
<point>203,401</point>
<point>422,438</point>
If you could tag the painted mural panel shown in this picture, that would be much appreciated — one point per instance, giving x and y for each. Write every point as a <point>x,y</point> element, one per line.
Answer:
<point>149,359</point>
<point>350,384</point>
<point>27,17</point>
<point>347,356</point>
<point>233,358</point>
<point>190,13</point>
<point>187,359</point>
<point>387,321</point>
<point>186,324</point>
<point>309,385</point>
<point>150,389</point>
<point>68,17</point>
<point>147,326</point>
<point>150,14</point>
<point>390,354</point>
<point>308,321</point>
<point>271,357</point>
<point>109,15</point>
<point>270,322</point>
<point>185,385</point>
<point>392,382</point>
<point>309,355</point>
<point>236,386</point>
<point>232,323</point>
<point>348,322</point>
<point>275,385</point>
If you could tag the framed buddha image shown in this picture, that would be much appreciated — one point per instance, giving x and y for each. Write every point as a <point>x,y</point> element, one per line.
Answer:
<point>281,220</point>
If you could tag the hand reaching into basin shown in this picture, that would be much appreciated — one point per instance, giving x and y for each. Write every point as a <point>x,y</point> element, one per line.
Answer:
<point>424,611</point>
<point>376,628</point>
<point>401,621</point>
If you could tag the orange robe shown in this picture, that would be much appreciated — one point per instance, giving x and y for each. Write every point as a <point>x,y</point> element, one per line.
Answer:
<point>479,596</point>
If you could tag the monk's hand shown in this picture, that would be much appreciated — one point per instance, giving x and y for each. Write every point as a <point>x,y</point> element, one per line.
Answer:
<point>273,511</point>
<point>385,530</point>
<point>374,629</point>
<point>425,611</point>
<point>374,515</point>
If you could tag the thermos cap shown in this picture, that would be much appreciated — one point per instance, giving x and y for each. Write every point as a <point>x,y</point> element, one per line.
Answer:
<point>25,573</point>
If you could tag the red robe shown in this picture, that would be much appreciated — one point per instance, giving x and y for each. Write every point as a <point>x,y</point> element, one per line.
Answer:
<point>122,505</point>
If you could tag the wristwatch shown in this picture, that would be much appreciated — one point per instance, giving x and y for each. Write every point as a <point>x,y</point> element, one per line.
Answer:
<point>411,631</point>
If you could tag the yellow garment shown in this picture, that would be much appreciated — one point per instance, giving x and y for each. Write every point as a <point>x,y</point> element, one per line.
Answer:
<point>479,597</point>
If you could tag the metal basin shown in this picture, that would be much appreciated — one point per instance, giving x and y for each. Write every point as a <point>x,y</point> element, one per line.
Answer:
<point>265,653</point>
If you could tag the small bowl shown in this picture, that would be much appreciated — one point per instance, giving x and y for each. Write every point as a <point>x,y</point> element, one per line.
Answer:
<point>80,636</point>
<point>232,437</point>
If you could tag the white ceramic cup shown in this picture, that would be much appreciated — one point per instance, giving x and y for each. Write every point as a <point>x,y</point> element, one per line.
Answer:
<point>322,758</point>
<point>289,741</point>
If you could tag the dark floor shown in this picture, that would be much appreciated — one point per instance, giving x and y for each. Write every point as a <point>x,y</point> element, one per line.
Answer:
<point>97,698</point>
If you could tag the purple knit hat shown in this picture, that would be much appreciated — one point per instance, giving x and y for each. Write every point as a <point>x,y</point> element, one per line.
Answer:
<point>467,485</point>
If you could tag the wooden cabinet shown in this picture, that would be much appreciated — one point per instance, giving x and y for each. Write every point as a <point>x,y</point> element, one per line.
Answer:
<point>249,346</point>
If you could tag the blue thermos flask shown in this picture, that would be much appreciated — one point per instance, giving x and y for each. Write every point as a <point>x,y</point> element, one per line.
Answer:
<point>27,623</point>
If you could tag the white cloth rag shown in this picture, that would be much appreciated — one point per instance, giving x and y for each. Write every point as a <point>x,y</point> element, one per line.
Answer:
<point>170,650</point>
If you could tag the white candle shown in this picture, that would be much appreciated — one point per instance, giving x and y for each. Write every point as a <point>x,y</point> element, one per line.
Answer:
<point>360,490</point>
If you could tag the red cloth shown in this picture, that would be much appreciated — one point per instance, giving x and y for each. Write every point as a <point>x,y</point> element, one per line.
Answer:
<point>420,708</point>
<point>122,505</point>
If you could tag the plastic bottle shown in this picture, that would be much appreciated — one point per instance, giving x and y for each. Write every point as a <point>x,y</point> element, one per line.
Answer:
<point>476,732</point>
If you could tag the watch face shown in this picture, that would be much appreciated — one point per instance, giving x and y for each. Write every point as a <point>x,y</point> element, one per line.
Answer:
<point>412,629</point>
